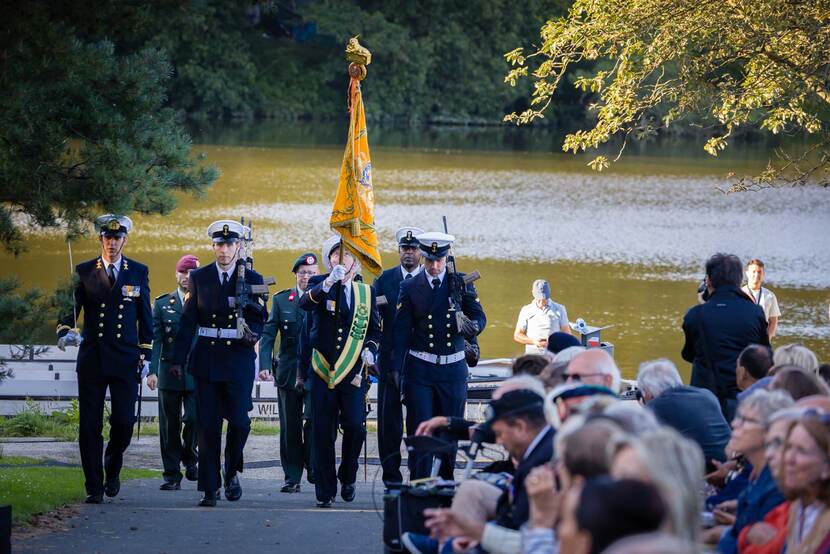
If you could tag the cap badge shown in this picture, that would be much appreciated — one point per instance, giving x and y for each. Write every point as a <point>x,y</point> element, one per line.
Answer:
<point>225,230</point>
<point>113,225</point>
<point>409,235</point>
<point>434,247</point>
<point>309,260</point>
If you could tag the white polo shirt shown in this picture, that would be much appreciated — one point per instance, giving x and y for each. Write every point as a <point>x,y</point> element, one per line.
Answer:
<point>766,299</point>
<point>539,323</point>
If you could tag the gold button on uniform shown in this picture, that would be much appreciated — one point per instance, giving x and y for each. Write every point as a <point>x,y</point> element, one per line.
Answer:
<point>430,335</point>
<point>429,326</point>
<point>228,342</point>
<point>103,305</point>
<point>212,342</point>
<point>429,316</point>
<point>448,325</point>
<point>100,334</point>
<point>101,324</point>
<point>214,316</point>
<point>101,314</point>
<point>121,306</point>
<point>120,316</point>
<point>119,326</point>
<point>118,336</point>
<point>449,344</point>
<point>430,345</point>
<point>169,339</point>
<point>230,316</point>
<point>448,316</point>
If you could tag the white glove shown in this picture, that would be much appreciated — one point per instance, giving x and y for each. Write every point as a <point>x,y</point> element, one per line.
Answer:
<point>367,357</point>
<point>145,370</point>
<point>338,272</point>
<point>71,338</point>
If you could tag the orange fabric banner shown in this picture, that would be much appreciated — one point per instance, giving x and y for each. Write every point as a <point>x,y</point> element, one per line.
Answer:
<point>353,211</point>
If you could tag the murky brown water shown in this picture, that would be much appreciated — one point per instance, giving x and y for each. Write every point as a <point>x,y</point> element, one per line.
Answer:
<point>624,247</point>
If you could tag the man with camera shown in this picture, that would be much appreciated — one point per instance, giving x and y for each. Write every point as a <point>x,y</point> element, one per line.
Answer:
<point>720,328</point>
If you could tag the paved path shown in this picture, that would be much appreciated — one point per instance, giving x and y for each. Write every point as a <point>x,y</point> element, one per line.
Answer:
<point>145,520</point>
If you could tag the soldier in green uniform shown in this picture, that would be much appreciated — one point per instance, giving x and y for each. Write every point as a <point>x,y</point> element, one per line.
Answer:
<point>177,399</point>
<point>288,321</point>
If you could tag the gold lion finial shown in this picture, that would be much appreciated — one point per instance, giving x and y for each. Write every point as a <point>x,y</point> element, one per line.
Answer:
<point>357,53</point>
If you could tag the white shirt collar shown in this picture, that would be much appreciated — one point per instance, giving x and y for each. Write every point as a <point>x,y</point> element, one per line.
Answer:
<point>414,272</point>
<point>440,277</point>
<point>535,442</point>
<point>116,263</point>
<point>181,295</point>
<point>220,271</point>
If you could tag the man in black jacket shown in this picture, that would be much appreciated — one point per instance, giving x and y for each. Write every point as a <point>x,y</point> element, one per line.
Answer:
<point>717,330</point>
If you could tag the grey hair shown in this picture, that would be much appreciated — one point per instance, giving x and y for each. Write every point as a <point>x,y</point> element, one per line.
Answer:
<point>796,354</point>
<point>632,417</point>
<point>568,353</point>
<point>657,376</point>
<point>767,402</point>
<point>786,414</point>
<point>653,543</point>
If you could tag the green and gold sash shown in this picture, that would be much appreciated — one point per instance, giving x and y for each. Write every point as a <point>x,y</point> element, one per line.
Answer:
<point>354,342</point>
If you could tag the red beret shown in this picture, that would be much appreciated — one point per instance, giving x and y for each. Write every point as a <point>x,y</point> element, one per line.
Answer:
<point>187,262</point>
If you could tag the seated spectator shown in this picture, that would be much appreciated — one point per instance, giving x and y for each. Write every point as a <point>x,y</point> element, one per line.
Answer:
<point>567,399</point>
<point>594,367</point>
<point>797,355</point>
<point>807,479</point>
<point>630,417</point>
<point>531,364</point>
<point>672,463</point>
<point>559,341</point>
<point>554,374</point>
<point>754,363</point>
<point>717,331</point>
<point>761,494</point>
<point>770,535</point>
<point>799,383</point>
<point>518,420</point>
<point>604,511</point>
<point>694,412</point>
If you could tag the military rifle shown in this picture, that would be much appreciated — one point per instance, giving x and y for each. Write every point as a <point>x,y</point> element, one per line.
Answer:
<point>246,293</point>
<point>457,284</point>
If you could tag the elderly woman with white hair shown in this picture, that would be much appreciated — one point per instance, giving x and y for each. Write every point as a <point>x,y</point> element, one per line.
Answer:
<point>694,412</point>
<point>761,494</point>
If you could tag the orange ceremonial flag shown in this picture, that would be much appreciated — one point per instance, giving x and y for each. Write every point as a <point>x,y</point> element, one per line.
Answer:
<point>353,211</point>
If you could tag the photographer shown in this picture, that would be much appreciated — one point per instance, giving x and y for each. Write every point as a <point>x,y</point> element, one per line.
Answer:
<point>719,329</point>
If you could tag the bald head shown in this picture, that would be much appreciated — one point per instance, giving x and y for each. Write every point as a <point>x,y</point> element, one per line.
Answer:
<point>595,367</point>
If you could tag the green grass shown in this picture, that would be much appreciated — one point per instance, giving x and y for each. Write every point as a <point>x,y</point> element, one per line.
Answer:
<point>33,490</point>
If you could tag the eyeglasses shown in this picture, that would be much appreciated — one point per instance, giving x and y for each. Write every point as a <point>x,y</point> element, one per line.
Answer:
<point>306,273</point>
<point>775,443</point>
<point>579,376</point>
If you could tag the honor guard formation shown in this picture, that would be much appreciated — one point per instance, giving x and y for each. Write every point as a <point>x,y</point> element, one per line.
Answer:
<point>620,469</point>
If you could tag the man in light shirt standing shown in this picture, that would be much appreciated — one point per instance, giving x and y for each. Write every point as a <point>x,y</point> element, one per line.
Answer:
<point>760,295</point>
<point>539,319</point>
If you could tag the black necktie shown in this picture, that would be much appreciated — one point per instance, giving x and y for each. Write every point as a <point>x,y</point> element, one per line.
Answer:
<point>408,276</point>
<point>111,274</point>
<point>224,278</point>
<point>436,283</point>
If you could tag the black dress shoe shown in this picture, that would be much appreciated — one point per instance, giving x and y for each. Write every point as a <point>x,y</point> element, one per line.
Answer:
<point>290,487</point>
<point>233,490</point>
<point>170,486</point>
<point>192,473</point>
<point>324,503</point>
<point>94,499</point>
<point>209,499</point>
<point>347,492</point>
<point>112,487</point>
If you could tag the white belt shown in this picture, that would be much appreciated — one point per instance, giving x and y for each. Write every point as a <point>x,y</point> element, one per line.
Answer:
<point>218,333</point>
<point>436,359</point>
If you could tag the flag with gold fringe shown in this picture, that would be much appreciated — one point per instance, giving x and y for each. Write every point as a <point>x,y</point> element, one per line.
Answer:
<point>353,211</point>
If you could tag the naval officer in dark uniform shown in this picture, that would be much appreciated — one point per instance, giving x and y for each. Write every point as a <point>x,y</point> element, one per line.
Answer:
<point>287,321</point>
<point>113,292</point>
<point>390,412</point>
<point>430,328</point>
<point>177,395</point>
<point>221,359</point>
<point>343,336</point>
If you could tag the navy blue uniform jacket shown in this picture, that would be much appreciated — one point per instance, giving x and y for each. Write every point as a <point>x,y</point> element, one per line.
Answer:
<point>118,321</point>
<point>424,323</point>
<point>716,332</point>
<point>217,359</point>
<point>322,333</point>
<point>388,284</point>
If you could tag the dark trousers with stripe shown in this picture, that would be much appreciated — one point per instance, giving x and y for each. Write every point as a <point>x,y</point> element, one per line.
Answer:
<point>92,391</point>
<point>177,431</point>
<point>295,435</point>
<point>423,401</point>
<point>216,400</point>
<point>345,404</point>
<point>390,430</point>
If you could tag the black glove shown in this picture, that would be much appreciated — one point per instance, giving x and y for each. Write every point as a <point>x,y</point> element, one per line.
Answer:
<point>467,326</point>
<point>249,338</point>
<point>472,353</point>
<point>299,385</point>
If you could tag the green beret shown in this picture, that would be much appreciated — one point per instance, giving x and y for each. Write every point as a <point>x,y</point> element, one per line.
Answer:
<point>305,259</point>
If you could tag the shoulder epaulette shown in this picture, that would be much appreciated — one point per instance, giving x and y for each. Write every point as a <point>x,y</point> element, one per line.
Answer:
<point>160,296</point>
<point>283,291</point>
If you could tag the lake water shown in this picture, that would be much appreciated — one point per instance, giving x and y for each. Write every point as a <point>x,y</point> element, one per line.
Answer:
<point>624,247</point>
